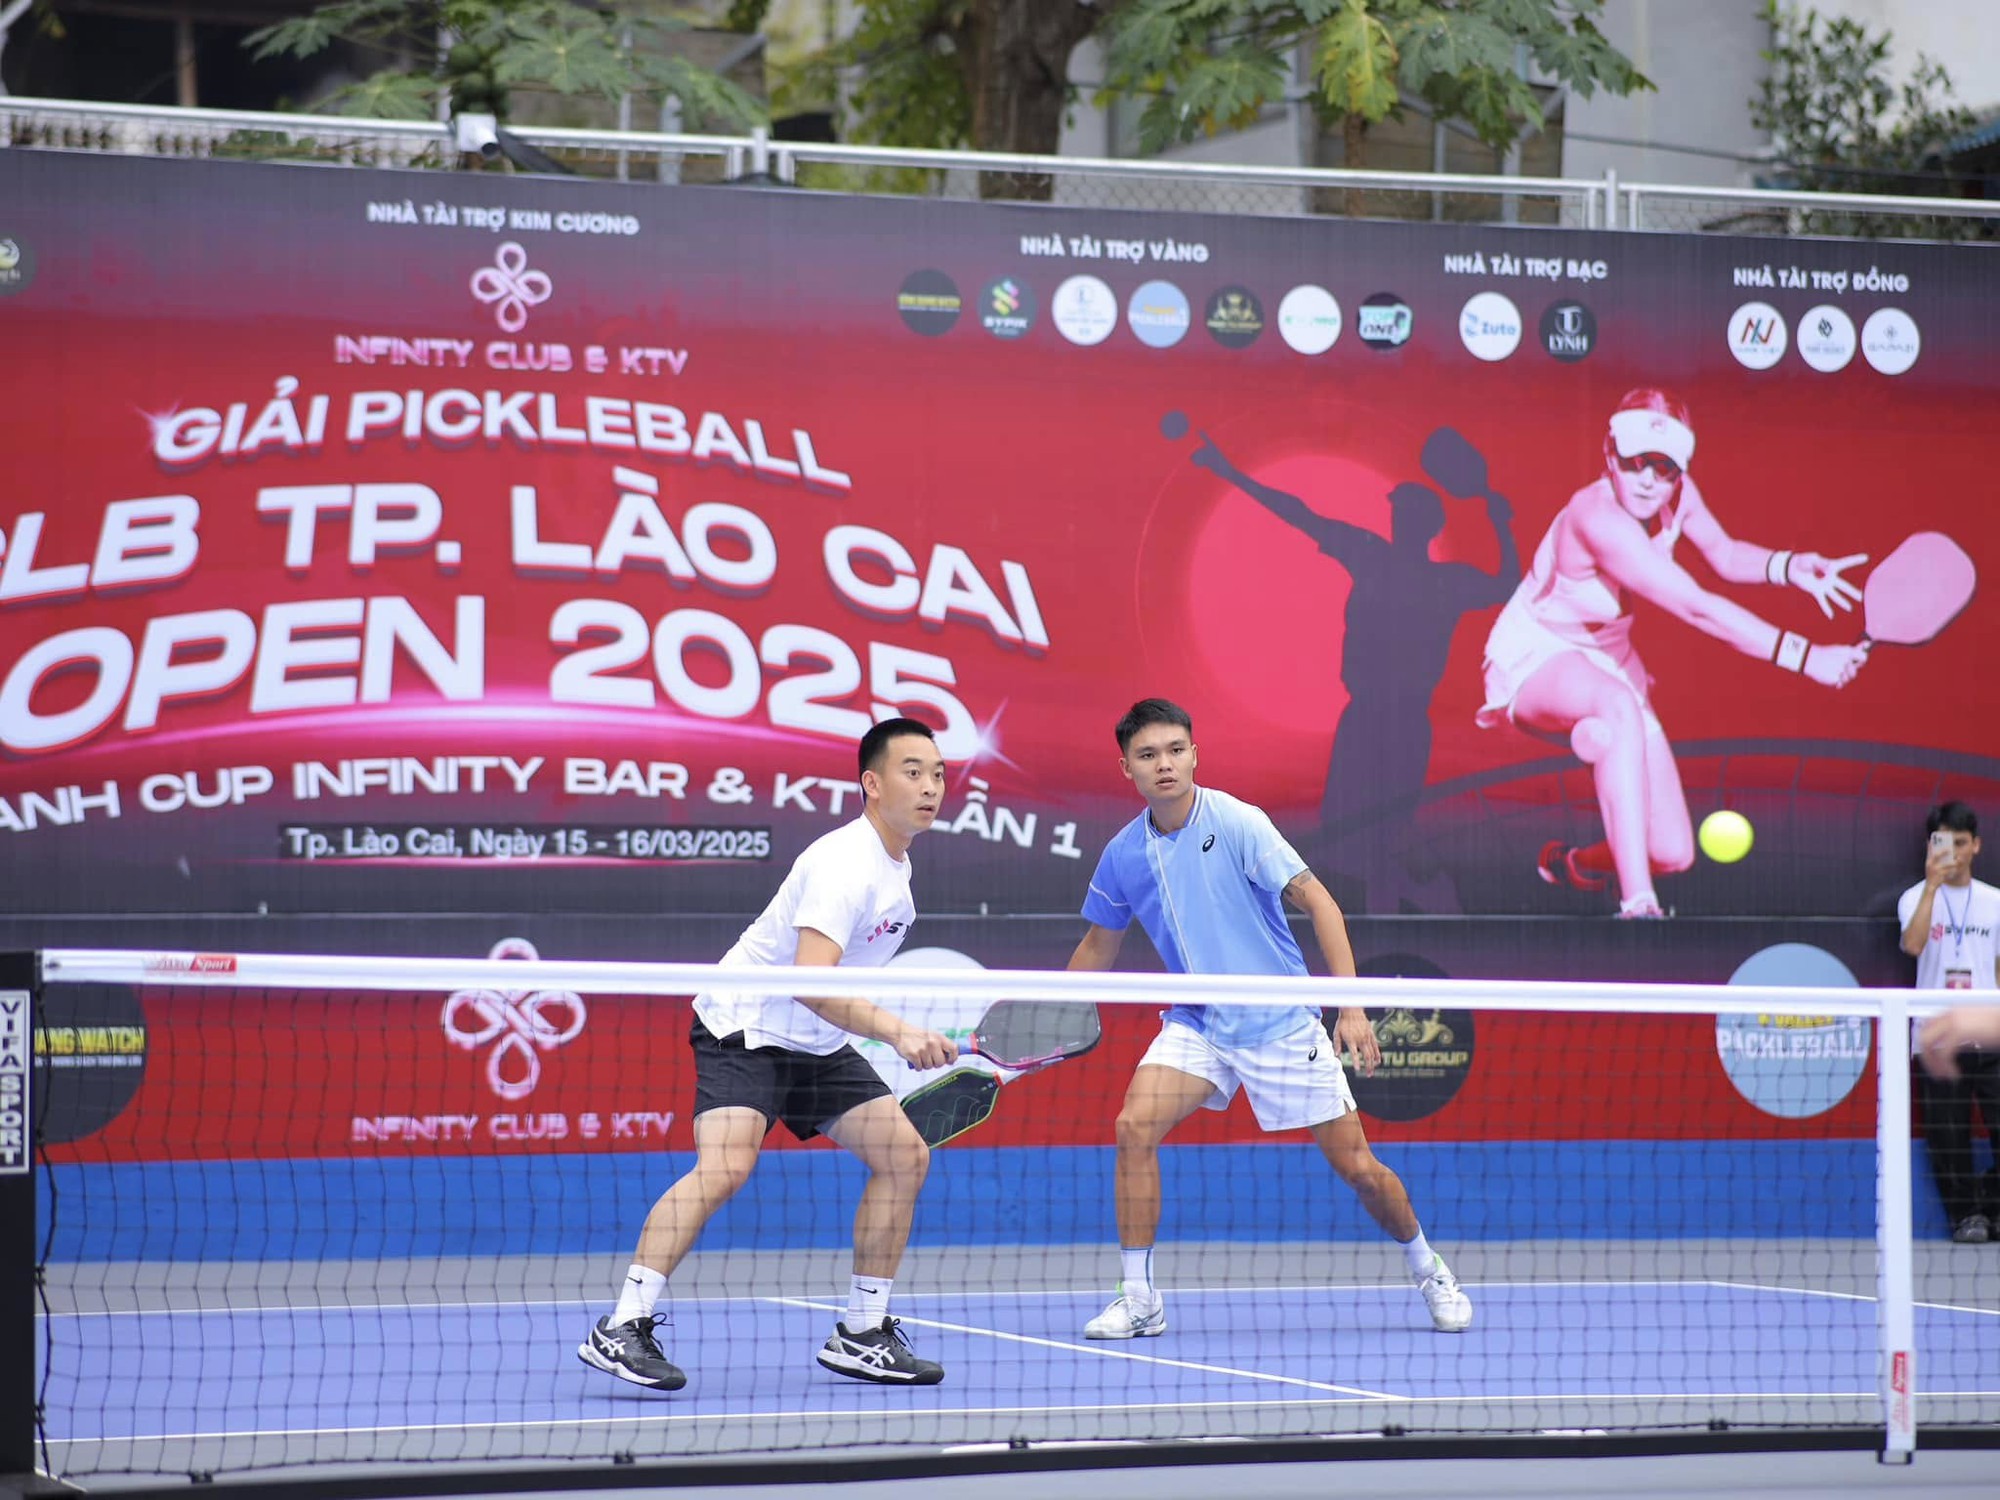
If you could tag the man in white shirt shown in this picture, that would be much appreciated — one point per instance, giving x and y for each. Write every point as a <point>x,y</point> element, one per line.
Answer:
<point>1949,923</point>
<point>762,1058</point>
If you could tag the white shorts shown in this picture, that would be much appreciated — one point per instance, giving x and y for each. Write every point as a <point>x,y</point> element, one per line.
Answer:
<point>1293,1081</point>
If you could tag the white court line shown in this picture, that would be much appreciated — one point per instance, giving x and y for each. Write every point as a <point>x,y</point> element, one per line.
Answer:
<point>586,1303</point>
<point>1110,1353</point>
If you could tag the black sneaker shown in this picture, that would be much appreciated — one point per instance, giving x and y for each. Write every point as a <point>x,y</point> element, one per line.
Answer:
<point>881,1354</point>
<point>630,1352</point>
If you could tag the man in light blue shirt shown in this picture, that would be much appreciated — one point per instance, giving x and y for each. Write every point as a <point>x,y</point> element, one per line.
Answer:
<point>1204,872</point>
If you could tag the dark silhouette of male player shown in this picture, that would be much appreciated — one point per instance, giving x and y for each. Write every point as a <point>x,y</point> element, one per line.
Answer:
<point>1402,609</point>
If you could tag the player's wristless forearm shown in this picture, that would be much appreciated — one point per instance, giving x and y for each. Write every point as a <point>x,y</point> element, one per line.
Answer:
<point>1790,653</point>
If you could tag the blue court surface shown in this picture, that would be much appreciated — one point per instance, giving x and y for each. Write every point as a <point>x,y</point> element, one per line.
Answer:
<point>287,1384</point>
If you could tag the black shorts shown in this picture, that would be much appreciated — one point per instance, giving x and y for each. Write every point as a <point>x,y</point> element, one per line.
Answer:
<point>803,1089</point>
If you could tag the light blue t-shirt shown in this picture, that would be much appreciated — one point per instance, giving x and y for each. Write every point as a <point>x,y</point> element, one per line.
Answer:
<point>1209,896</point>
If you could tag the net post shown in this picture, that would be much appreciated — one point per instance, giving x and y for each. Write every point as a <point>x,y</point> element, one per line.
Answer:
<point>1894,1254</point>
<point>18,1298</point>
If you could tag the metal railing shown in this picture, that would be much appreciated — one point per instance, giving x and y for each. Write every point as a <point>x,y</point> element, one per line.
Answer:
<point>1164,186</point>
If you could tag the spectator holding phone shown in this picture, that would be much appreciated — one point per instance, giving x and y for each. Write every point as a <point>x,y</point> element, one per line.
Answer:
<point>1949,924</point>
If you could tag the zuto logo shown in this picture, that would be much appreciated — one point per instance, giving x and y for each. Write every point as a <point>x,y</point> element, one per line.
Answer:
<point>521,1024</point>
<point>1757,335</point>
<point>510,288</point>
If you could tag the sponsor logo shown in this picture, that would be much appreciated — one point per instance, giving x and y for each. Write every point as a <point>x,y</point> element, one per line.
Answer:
<point>1426,1053</point>
<point>90,1047</point>
<point>929,303</point>
<point>1235,317</point>
<point>1569,331</point>
<point>1007,308</point>
<point>1489,325</point>
<point>520,1024</point>
<point>1208,843</point>
<point>1793,1066</point>
<point>1384,321</point>
<point>1757,335</point>
<point>17,265</point>
<point>1084,310</point>
<point>1159,314</point>
<point>510,288</point>
<point>1890,341</point>
<point>191,963</point>
<point>15,1110</point>
<point>1826,338</point>
<point>1309,319</point>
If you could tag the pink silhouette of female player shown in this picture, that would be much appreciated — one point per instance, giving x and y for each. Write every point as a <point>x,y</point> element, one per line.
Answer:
<point>1560,659</point>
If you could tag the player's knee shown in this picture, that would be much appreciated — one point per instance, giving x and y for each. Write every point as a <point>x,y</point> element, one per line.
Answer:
<point>1673,857</point>
<point>718,1179</point>
<point>1135,1132</point>
<point>912,1158</point>
<point>1591,739</point>
<point>1359,1168</point>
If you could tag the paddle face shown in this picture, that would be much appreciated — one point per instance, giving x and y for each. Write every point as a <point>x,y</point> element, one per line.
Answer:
<point>949,1106</point>
<point>1031,1034</point>
<point>1451,460</point>
<point>1917,590</point>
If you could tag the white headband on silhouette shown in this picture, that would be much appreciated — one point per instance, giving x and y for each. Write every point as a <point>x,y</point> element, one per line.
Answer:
<point>1636,432</point>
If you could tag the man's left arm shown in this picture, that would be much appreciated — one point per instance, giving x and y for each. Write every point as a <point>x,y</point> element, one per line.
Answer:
<point>1352,1033</point>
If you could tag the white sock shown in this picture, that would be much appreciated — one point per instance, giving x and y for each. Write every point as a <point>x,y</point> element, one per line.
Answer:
<point>1136,1273</point>
<point>1418,1255</point>
<point>867,1302</point>
<point>639,1294</point>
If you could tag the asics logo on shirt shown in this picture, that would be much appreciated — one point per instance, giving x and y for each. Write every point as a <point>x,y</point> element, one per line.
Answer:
<point>1208,843</point>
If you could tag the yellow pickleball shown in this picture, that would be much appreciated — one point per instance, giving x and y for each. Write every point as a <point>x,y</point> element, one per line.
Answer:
<point>1726,836</point>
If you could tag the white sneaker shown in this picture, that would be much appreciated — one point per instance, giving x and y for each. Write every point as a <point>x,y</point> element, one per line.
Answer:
<point>1451,1309</point>
<point>1129,1318</point>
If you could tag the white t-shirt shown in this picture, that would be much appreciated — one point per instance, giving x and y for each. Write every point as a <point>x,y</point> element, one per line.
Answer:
<point>844,885</point>
<point>1960,952</point>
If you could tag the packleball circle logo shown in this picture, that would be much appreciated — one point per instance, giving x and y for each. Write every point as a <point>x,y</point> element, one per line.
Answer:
<point>1757,335</point>
<point>1568,331</point>
<point>1826,338</point>
<point>1084,310</point>
<point>1489,325</point>
<point>929,303</point>
<point>1159,314</point>
<point>1890,341</point>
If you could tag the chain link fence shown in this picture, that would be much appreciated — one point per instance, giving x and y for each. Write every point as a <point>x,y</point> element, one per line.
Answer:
<point>1169,187</point>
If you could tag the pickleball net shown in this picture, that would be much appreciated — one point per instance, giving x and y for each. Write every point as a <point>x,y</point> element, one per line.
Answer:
<point>299,1211</point>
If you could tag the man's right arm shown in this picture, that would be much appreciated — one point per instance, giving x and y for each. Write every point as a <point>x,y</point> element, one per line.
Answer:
<point>1099,948</point>
<point>1917,931</point>
<point>918,1046</point>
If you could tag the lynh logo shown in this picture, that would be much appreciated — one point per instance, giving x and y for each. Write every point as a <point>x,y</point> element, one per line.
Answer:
<point>510,288</point>
<point>521,1025</point>
<point>1569,331</point>
<point>1757,335</point>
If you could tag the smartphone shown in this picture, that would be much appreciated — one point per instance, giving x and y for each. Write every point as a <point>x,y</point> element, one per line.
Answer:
<point>1942,843</point>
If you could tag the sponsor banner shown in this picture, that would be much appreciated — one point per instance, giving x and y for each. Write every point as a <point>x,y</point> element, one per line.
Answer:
<point>428,542</point>
<point>164,1074</point>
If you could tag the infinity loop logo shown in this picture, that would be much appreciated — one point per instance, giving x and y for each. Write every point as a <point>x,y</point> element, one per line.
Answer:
<point>510,283</point>
<point>522,1024</point>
